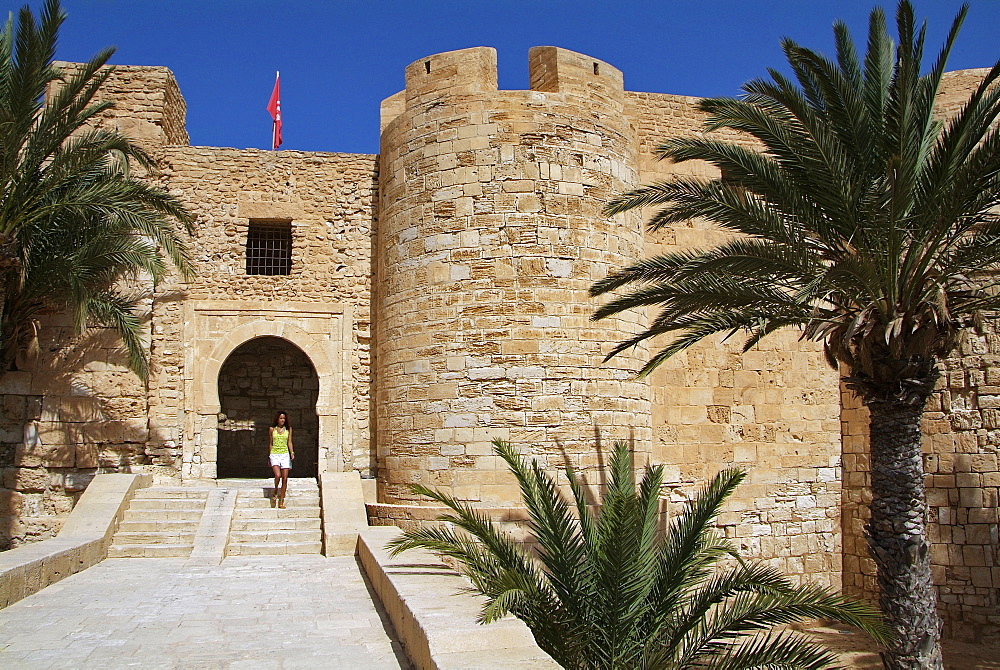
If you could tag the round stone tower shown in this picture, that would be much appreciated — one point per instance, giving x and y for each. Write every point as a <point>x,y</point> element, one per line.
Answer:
<point>490,233</point>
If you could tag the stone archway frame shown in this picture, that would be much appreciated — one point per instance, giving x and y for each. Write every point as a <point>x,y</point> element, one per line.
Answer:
<point>220,327</point>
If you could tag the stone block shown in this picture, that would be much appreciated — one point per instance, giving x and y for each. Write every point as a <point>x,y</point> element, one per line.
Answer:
<point>16,383</point>
<point>45,455</point>
<point>86,455</point>
<point>55,567</point>
<point>77,481</point>
<point>25,479</point>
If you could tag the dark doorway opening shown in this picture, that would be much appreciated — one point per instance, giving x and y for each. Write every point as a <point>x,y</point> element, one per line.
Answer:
<point>260,378</point>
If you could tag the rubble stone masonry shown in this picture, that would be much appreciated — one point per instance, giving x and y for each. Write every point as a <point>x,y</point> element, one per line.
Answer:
<point>438,299</point>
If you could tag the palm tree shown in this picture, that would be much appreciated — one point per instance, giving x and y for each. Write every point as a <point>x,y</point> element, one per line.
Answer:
<point>75,224</point>
<point>610,588</point>
<point>862,220</point>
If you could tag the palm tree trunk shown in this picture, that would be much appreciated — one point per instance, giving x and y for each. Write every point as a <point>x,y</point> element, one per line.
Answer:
<point>898,539</point>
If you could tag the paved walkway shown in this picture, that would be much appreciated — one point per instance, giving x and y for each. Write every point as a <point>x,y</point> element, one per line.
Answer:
<point>251,613</point>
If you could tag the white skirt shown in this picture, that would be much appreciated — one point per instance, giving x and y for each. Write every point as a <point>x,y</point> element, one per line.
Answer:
<point>283,461</point>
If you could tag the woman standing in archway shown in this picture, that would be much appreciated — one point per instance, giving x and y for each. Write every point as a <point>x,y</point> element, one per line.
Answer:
<point>282,454</point>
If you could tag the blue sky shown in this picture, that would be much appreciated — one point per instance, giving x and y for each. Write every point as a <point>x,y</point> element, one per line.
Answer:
<point>340,58</point>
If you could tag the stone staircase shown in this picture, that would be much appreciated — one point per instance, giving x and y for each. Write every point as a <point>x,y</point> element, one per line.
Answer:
<point>160,522</point>
<point>171,522</point>
<point>258,529</point>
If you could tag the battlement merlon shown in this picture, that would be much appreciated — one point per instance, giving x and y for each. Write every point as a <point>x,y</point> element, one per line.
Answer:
<point>452,73</point>
<point>555,70</point>
<point>149,107</point>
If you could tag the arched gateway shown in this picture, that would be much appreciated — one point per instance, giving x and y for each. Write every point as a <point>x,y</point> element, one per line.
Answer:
<point>246,373</point>
<point>259,378</point>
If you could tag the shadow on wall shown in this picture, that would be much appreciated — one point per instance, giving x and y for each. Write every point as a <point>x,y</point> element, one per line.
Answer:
<point>365,348</point>
<point>90,417</point>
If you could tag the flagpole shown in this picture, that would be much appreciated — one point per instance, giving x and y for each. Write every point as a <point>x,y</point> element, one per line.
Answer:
<point>274,107</point>
<point>274,122</point>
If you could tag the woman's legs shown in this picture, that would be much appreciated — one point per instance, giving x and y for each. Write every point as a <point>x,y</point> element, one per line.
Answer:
<point>277,480</point>
<point>284,487</point>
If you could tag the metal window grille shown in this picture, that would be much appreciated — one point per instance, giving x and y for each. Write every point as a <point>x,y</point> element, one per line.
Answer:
<point>269,248</point>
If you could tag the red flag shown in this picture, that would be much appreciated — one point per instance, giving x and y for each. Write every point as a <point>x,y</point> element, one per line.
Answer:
<point>274,106</point>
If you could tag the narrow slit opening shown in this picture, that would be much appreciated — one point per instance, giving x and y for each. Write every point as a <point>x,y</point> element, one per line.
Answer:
<point>597,69</point>
<point>427,66</point>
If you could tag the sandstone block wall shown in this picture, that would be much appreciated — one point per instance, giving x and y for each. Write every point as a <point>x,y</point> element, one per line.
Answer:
<point>773,411</point>
<point>96,416</point>
<point>90,417</point>
<point>490,234</point>
<point>465,251</point>
<point>92,412</point>
<point>149,107</point>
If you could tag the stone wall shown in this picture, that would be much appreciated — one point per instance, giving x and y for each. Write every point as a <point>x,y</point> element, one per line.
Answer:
<point>773,410</point>
<point>148,105</point>
<point>90,414</point>
<point>486,231</point>
<point>97,416</point>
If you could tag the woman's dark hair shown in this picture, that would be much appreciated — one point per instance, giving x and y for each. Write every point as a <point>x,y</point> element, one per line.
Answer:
<point>274,424</point>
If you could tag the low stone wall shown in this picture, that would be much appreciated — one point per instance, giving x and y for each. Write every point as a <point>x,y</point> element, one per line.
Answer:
<point>82,542</point>
<point>411,516</point>
<point>513,520</point>
<point>435,617</point>
<point>342,504</point>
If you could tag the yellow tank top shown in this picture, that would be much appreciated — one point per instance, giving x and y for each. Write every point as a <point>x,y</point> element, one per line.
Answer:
<point>279,442</point>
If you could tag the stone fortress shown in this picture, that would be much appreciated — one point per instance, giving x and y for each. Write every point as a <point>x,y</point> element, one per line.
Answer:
<point>409,307</point>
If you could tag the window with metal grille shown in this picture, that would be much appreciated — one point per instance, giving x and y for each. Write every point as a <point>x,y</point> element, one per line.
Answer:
<point>269,248</point>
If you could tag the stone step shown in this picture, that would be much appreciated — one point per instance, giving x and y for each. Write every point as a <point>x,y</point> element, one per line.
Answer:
<point>292,523</point>
<point>273,549</point>
<point>167,503</point>
<point>294,483</point>
<point>158,525</point>
<point>170,493</point>
<point>275,513</point>
<point>275,536</point>
<point>149,550</point>
<point>154,515</point>
<point>154,537</point>
<point>265,491</point>
<point>293,500</point>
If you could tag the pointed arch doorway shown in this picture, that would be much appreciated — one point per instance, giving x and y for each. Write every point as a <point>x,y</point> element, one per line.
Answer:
<point>259,378</point>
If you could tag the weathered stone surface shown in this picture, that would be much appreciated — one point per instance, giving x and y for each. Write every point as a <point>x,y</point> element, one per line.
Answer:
<point>82,542</point>
<point>510,262</point>
<point>435,619</point>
